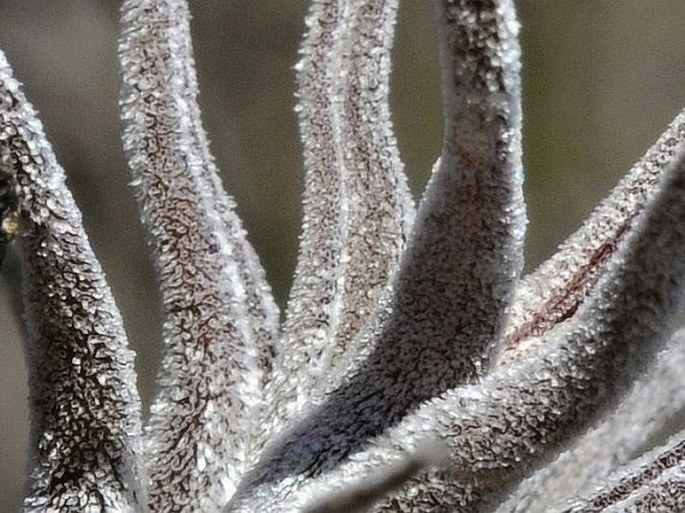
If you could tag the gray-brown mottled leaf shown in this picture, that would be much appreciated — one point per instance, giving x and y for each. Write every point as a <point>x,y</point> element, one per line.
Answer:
<point>515,419</point>
<point>85,410</point>
<point>553,293</point>
<point>653,403</point>
<point>219,319</point>
<point>357,206</point>
<point>657,480</point>
<point>456,276</point>
<point>262,311</point>
<point>666,494</point>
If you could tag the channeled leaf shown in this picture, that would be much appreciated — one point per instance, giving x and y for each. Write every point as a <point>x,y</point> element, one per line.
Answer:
<point>456,277</point>
<point>553,293</point>
<point>653,404</point>
<point>85,410</point>
<point>655,482</point>
<point>357,206</point>
<point>384,367</point>
<point>262,311</point>
<point>501,429</point>
<point>219,319</point>
<point>665,494</point>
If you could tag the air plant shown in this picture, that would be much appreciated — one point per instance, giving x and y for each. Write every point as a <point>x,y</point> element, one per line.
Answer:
<point>416,369</point>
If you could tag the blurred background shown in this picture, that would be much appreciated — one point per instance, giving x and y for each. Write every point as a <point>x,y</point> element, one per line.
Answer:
<point>602,78</point>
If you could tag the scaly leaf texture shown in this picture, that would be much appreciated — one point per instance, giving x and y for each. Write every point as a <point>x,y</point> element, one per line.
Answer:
<point>515,420</point>
<point>664,495</point>
<point>553,293</point>
<point>364,495</point>
<point>378,209</point>
<point>262,311</point>
<point>85,411</point>
<point>456,276</point>
<point>652,405</point>
<point>465,253</point>
<point>657,479</point>
<point>357,205</point>
<point>218,316</point>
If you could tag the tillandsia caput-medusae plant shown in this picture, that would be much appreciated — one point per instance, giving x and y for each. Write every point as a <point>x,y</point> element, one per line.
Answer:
<point>416,369</point>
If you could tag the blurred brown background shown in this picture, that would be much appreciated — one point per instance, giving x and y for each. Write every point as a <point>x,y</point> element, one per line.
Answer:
<point>602,79</point>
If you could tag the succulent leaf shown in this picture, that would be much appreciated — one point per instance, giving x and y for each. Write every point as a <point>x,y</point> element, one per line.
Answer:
<point>415,371</point>
<point>219,318</point>
<point>435,329</point>
<point>516,419</point>
<point>553,293</point>
<point>357,205</point>
<point>655,482</point>
<point>652,405</point>
<point>85,411</point>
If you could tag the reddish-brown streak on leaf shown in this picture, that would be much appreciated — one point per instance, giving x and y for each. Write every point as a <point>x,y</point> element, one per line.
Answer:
<point>558,309</point>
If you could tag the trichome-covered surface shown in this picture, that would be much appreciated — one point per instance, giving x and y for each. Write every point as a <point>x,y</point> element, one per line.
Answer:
<point>416,369</point>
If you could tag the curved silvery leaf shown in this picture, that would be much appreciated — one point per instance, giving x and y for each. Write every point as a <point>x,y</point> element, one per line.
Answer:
<point>386,348</point>
<point>363,495</point>
<point>218,314</point>
<point>664,494</point>
<point>553,293</point>
<point>465,253</point>
<point>653,405</point>
<point>456,275</point>
<point>655,482</point>
<point>262,311</point>
<point>85,408</point>
<point>500,430</point>
<point>378,209</point>
<point>357,206</point>
<point>315,285</point>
